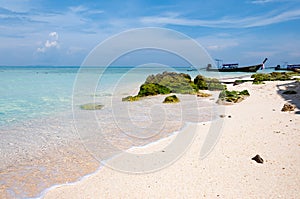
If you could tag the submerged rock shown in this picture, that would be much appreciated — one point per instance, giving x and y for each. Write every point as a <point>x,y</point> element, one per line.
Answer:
<point>171,99</point>
<point>288,107</point>
<point>258,159</point>
<point>91,106</point>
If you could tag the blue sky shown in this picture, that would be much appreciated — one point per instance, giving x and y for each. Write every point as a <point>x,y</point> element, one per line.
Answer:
<point>52,32</point>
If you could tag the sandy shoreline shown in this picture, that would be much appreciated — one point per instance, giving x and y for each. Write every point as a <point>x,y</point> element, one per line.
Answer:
<point>255,126</point>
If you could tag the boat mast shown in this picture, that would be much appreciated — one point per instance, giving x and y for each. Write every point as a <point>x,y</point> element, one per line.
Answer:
<point>218,62</point>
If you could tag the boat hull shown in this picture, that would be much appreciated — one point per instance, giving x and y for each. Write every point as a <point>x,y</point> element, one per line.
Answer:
<point>251,69</point>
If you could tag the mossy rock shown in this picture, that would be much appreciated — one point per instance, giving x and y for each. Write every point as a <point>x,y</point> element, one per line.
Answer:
<point>232,96</point>
<point>289,92</point>
<point>176,82</point>
<point>274,76</point>
<point>211,84</point>
<point>91,106</point>
<point>171,99</point>
<point>131,98</point>
<point>149,89</point>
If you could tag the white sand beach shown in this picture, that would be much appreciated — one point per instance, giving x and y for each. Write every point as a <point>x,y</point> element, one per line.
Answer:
<point>254,126</point>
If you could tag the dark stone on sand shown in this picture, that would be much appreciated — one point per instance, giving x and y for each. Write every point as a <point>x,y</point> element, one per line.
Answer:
<point>222,116</point>
<point>288,107</point>
<point>258,159</point>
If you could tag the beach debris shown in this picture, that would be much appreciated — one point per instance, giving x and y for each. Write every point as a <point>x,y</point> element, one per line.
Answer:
<point>289,92</point>
<point>229,97</point>
<point>258,159</point>
<point>171,99</point>
<point>202,94</point>
<point>91,106</point>
<point>288,107</point>
<point>222,116</point>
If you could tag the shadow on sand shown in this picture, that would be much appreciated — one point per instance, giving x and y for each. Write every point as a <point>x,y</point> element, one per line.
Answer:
<point>291,98</point>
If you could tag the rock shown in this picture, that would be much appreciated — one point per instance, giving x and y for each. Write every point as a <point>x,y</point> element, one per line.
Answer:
<point>274,76</point>
<point>222,116</point>
<point>212,84</point>
<point>148,89</point>
<point>91,106</point>
<point>258,159</point>
<point>288,107</point>
<point>176,82</point>
<point>171,99</point>
<point>228,97</point>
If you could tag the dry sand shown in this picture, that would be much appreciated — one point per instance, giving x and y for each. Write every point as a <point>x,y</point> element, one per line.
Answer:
<point>255,126</point>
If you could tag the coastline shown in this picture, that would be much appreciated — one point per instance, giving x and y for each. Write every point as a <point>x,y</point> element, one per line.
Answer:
<point>228,165</point>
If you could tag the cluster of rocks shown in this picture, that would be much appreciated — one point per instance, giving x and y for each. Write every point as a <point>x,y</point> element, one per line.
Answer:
<point>171,82</point>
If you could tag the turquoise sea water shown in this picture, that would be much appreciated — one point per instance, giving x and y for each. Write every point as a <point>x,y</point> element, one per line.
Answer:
<point>31,92</point>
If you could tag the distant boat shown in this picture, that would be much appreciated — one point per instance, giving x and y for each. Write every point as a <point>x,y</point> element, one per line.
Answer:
<point>292,67</point>
<point>191,69</point>
<point>235,68</point>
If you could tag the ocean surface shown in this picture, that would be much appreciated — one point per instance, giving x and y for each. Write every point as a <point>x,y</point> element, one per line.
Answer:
<point>42,126</point>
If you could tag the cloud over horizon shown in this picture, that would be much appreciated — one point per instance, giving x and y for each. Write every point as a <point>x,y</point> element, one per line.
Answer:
<point>50,43</point>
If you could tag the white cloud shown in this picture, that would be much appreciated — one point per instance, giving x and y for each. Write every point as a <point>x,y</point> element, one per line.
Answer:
<point>226,22</point>
<point>50,43</point>
<point>53,35</point>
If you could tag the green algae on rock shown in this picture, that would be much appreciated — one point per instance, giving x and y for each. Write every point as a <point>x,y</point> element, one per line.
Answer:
<point>259,78</point>
<point>176,82</point>
<point>171,99</point>
<point>149,89</point>
<point>212,84</point>
<point>232,96</point>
